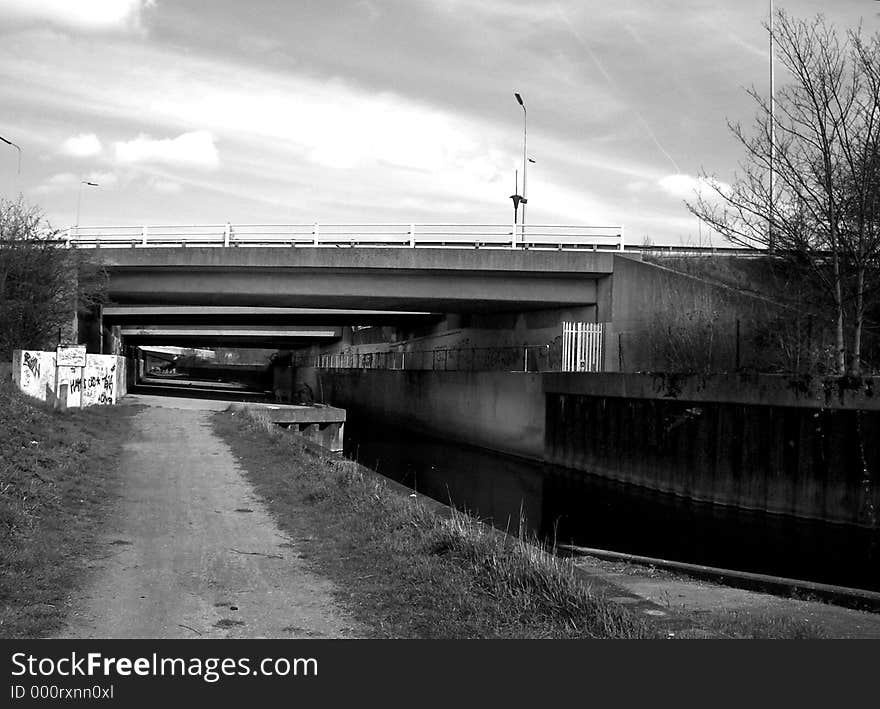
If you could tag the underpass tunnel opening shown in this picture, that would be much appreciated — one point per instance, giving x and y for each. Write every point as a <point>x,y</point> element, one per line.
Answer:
<point>202,371</point>
<point>254,351</point>
<point>227,352</point>
<point>202,368</point>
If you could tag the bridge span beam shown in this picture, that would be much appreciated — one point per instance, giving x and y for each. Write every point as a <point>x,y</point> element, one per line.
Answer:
<point>427,280</point>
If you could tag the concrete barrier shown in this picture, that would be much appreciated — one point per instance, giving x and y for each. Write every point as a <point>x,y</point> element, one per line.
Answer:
<point>320,424</point>
<point>765,443</point>
<point>501,411</point>
<point>101,381</point>
<point>34,371</point>
<point>771,444</point>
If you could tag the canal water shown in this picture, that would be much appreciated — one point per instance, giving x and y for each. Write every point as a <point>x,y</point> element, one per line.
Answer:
<point>573,507</point>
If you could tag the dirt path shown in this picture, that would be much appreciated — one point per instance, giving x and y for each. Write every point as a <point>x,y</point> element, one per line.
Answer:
<point>689,598</point>
<point>192,552</point>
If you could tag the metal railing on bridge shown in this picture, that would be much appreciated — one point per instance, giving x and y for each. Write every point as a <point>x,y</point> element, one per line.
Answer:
<point>580,349</point>
<point>391,235</point>
<point>528,358</point>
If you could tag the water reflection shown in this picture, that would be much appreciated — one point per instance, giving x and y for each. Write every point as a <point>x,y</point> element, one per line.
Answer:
<point>590,511</point>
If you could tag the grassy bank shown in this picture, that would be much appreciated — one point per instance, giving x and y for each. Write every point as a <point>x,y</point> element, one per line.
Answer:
<point>402,568</point>
<point>56,485</point>
<point>409,568</point>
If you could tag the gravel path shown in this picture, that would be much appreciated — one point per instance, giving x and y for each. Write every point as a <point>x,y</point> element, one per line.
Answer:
<point>192,552</point>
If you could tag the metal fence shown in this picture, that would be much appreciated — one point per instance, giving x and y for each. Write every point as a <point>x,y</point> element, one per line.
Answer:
<point>583,347</point>
<point>391,235</point>
<point>529,358</point>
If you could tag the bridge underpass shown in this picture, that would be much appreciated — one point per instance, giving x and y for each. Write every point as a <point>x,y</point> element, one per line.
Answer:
<point>197,346</point>
<point>217,332</point>
<point>321,300</point>
<point>491,285</point>
<point>235,329</point>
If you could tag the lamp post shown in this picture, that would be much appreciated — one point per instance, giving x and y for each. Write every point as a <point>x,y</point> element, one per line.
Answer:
<point>79,199</point>
<point>770,234</point>
<point>516,197</point>
<point>524,199</point>
<point>9,142</point>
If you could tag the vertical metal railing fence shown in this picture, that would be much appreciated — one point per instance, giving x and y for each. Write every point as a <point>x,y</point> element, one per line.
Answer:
<point>583,347</point>
<point>525,358</point>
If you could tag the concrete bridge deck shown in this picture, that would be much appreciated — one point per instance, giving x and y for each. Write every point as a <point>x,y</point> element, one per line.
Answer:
<point>431,280</point>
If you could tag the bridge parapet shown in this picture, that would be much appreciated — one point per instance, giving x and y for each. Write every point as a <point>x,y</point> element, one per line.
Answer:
<point>391,235</point>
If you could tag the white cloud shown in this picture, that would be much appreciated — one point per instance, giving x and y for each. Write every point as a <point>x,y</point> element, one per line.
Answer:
<point>165,186</point>
<point>194,149</point>
<point>68,181</point>
<point>306,125</point>
<point>103,179</point>
<point>688,186</point>
<point>301,147</point>
<point>260,45</point>
<point>58,182</point>
<point>83,145</point>
<point>527,12</point>
<point>89,15</point>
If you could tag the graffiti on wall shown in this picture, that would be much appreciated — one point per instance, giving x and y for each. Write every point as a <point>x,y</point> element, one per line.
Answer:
<point>36,373</point>
<point>99,382</point>
<point>32,363</point>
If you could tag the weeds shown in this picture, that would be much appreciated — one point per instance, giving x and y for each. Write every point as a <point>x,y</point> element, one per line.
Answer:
<point>405,569</point>
<point>55,485</point>
<point>768,626</point>
<point>531,581</point>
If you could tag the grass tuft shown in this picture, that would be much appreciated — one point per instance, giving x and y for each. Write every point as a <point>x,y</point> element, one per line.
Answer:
<point>531,580</point>
<point>762,625</point>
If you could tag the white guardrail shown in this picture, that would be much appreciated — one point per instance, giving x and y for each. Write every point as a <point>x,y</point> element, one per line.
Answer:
<point>463,236</point>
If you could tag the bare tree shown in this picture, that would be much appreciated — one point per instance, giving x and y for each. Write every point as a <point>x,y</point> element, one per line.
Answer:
<point>42,284</point>
<point>822,144</point>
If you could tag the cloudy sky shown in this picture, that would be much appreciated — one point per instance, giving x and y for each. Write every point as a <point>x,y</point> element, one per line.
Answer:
<point>296,111</point>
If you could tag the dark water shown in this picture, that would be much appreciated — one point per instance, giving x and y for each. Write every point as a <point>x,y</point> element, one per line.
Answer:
<point>586,510</point>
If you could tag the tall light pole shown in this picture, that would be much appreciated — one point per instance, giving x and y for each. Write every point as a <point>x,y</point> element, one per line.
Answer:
<point>525,194</point>
<point>770,235</point>
<point>9,142</point>
<point>79,199</point>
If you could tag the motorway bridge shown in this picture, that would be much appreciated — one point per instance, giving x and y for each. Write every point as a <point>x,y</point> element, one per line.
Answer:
<point>290,285</point>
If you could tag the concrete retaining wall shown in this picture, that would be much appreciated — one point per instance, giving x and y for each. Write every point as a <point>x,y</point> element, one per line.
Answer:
<point>801,391</point>
<point>769,443</point>
<point>646,300</point>
<point>767,447</point>
<point>101,381</point>
<point>502,411</point>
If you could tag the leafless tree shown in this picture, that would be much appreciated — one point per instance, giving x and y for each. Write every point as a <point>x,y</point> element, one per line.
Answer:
<point>821,143</point>
<point>42,284</point>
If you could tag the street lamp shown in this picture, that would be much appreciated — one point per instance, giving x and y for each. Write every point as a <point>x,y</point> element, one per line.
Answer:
<point>9,142</point>
<point>525,163</point>
<point>79,199</point>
